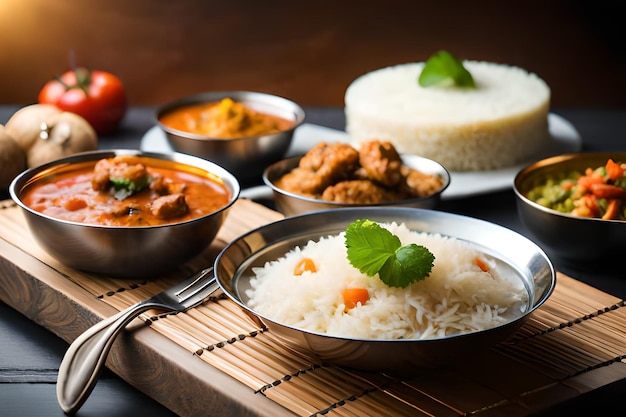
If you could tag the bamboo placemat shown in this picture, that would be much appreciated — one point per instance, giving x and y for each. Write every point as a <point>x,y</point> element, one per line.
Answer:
<point>572,345</point>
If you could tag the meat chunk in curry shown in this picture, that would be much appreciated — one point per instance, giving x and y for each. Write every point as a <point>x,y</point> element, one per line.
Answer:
<point>169,206</point>
<point>126,175</point>
<point>373,174</point>
<point>121,173</point>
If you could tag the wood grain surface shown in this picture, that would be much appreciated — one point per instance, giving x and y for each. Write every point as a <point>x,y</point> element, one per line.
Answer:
<point>573,345</point>
<point>308,51</point>
<point>46,294</point>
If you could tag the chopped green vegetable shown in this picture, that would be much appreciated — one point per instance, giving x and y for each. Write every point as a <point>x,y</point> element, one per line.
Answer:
<point>444,70</point>
<point>124,187</point>
<point>373,249</point>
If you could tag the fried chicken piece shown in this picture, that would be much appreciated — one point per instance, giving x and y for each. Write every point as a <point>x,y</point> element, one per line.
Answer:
<point>381,162</point>
<point>418,184</point>
<point>327,156</point>
<point>301,181</point>
<point>358,192</point>
<point>323,165</point>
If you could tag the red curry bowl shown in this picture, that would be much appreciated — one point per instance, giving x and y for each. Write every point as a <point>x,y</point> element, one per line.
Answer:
<point>126,250</point>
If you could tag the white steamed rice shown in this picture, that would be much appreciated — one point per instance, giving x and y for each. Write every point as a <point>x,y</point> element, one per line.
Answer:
<point>457,297</point>
<point>503,122</point>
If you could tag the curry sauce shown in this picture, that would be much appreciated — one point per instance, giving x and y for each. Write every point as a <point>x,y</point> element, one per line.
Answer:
<point>87,194</point>
<point>226,119</point>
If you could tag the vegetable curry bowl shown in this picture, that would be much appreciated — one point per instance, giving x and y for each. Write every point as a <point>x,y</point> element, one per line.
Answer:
<point>125,213</point>
<point>242,131</point>
<point>575,203</point>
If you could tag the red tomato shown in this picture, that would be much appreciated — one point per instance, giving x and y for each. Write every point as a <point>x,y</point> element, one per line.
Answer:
<point>97,96</point>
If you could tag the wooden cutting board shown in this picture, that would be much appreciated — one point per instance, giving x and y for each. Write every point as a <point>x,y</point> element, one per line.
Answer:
<point>216,360</point>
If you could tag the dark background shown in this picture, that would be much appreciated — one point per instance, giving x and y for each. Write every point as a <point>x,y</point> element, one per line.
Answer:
<point>308,51</point>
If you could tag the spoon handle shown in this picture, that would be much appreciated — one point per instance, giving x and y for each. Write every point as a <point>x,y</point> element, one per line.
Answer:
<point>81,365</point>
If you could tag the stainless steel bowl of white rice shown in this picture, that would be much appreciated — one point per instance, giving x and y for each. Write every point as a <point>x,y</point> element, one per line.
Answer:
<point>460,308</point>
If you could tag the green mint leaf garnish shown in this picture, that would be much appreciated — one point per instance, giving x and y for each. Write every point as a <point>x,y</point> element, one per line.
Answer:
<point>372,249</point>
<point>411,263</point>
<point>125,187</point>
<point>369,246</point>
<point>444,70</point>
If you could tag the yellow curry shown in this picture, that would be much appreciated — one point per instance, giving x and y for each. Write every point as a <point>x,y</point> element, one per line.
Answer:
<point>225,119</point>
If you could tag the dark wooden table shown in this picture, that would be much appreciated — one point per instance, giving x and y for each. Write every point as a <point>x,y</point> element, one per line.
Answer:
<point>30,355</point>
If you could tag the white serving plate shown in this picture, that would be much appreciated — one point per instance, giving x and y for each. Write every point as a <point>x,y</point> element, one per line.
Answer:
<point>565,139</point>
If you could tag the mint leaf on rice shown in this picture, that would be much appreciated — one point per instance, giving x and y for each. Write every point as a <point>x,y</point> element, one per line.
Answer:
<point>444,70</point>
<point>372,249</point>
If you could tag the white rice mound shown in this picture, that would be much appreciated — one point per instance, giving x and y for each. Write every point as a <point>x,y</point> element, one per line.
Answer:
<point>457,296</point>
<point>501,123</point>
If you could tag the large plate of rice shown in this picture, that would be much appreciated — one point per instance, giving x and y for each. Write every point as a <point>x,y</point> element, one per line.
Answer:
<point>457,307</point>
<point>457,297</point>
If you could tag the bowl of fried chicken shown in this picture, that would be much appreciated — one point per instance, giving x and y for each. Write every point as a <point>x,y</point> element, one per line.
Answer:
<point>336,174</point>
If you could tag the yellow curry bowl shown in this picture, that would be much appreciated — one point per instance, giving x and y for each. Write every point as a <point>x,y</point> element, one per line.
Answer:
<point>574,204</point>
<point>242,131</point>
